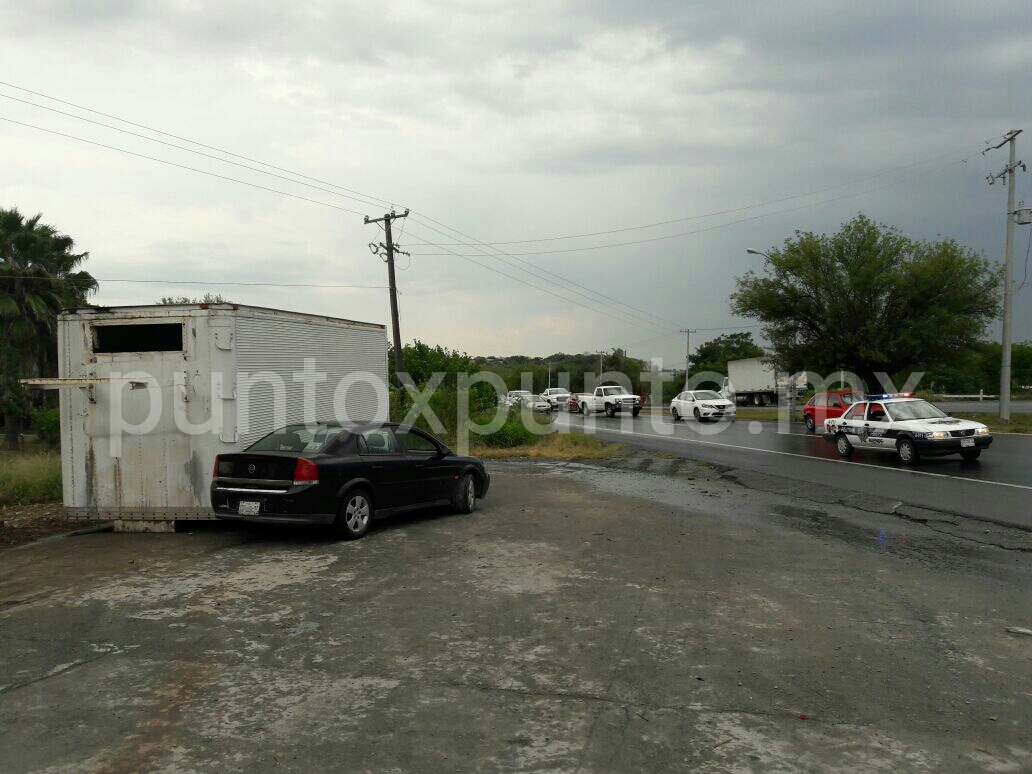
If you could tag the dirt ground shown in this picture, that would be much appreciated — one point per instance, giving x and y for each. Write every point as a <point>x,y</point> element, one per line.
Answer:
<point>24,523</point>
<point>652,616</point>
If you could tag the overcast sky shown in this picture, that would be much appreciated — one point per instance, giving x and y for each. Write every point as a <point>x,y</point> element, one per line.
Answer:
<point>511,121</point>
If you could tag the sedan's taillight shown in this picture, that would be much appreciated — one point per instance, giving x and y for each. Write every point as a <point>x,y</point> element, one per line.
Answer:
<point>305,472</point>
<point>215,472</point>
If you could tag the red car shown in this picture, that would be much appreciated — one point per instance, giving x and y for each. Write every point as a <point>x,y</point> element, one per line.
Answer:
<point>828,405</point>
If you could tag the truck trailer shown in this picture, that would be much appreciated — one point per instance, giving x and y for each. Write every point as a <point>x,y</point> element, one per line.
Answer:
<point>750,381</point>
<point>150,395</point>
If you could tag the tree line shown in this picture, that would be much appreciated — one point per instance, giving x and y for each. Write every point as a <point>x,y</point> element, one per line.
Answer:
<point>866,299</point>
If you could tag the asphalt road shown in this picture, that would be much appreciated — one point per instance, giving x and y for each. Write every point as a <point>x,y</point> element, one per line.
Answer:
<point>997,487</point>
<point>585,619</point>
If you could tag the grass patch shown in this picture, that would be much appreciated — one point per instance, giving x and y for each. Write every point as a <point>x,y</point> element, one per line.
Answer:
<point>556,446</point>
<point>29,478</point>
<point>1019,423</point>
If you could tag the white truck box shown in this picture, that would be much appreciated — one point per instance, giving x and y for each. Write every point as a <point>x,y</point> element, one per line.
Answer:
<point>175,351</point>
<point>751,380</point>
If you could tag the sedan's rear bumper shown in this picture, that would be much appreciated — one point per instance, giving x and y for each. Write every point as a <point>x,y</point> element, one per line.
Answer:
<point>305,504</point>
<point>278,518</point>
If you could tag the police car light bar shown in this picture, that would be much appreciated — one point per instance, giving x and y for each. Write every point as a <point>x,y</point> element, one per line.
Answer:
<point>877,395</point>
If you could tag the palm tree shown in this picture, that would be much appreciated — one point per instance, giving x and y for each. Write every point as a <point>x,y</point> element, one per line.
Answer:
<point>39,276</point>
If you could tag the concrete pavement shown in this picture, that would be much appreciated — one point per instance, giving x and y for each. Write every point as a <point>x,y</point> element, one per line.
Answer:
<point>649,616</point>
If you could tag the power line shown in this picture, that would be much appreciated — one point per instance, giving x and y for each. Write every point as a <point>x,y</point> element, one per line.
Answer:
<point>715,213</point>
<point>185,139</point>
<point>369,199</point>
<point>366,200</point>
<point>533,271</point>
<point>265,188</point>
<point>539,273</point>
<point>472,259</point>
<point>713,227</point>
<point>200,282</point>
<point>363,200</point>
<point>180,166</point>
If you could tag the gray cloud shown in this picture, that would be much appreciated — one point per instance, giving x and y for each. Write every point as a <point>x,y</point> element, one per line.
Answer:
<point>515,121</point>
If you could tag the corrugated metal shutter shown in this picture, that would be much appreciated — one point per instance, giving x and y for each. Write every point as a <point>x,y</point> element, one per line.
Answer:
<point>280,345</point>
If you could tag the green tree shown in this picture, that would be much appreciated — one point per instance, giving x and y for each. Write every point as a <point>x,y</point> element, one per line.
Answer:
<point>869,299</point>
<point>39,275</point>
<point>714,354</point>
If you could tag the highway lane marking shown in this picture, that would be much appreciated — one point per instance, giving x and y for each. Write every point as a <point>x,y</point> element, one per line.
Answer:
<point>808,457</point>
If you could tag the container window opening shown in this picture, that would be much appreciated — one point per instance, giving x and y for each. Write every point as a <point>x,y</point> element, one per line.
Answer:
<point>146,337</point>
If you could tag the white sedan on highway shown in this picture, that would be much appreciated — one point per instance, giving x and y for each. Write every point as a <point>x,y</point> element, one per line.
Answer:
<point>701,404</point>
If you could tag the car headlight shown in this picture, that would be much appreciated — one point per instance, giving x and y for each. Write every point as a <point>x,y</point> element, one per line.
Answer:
<point>937,435</point>
<point>982,431</point>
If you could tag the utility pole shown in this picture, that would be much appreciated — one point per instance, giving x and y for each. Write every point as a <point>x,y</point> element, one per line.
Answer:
<point>389,251</point>
<point>1009,172</point>
<point>600,353</point>
<point>687,349</point>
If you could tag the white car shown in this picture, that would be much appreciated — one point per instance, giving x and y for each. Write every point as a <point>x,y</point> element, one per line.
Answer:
<point>907,427</point>
<point>556,397</point>
<point>516,397</point>
<point>703,405</point>
<point>538,403</point>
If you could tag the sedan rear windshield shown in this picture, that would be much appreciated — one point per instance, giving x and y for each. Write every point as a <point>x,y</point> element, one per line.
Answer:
<point>914,409</point>
<point>299,438</point>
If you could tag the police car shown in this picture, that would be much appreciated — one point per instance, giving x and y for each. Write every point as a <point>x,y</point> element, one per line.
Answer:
<point>908,427</point>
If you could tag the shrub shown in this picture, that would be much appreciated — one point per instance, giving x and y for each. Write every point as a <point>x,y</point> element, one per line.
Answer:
<point>512,433</point>
<point>47,423</point>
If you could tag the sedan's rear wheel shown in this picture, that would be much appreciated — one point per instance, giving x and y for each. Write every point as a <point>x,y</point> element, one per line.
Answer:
<point>698,415</point>
<point>356,515</point>
<point>674,413</point>
<point>464,498</point>
<point>810,424</point>
<point>844,447</point>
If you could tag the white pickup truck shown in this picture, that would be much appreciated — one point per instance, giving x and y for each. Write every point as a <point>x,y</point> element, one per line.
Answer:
<point>610,399</point>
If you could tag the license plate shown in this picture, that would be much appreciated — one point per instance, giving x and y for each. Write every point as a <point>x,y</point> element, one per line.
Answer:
<point>967,441</point>
<point>248,508</point>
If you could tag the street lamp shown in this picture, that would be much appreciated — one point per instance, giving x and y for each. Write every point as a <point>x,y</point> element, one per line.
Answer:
<point>758,252</point>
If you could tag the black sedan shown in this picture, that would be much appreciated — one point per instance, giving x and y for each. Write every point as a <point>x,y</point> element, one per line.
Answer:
<point>343,475</point>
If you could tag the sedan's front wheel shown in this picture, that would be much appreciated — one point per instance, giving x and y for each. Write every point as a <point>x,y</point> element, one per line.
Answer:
<point>907,452</point>
<point>356,515</point>
<point>464,498</point>
<point>676,416</point>
<point>810,424</point>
